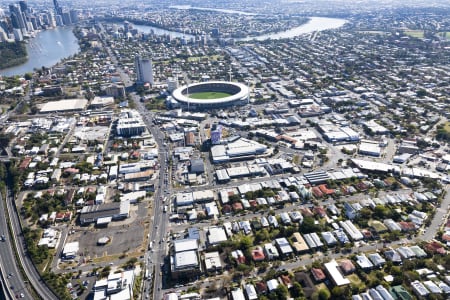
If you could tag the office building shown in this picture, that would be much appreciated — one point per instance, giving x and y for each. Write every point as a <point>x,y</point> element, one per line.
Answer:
<point>17,18</point>
<point>144,69</point>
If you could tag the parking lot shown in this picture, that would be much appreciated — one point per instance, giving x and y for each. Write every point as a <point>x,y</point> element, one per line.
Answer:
<point>125,236</point>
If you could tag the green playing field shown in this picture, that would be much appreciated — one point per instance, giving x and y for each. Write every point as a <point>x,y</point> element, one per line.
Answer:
<point>209,95</point>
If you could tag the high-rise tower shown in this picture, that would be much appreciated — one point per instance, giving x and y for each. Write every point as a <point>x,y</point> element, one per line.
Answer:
<point>17,16</point>
<point>23,6</point>
<point>144,69</point>
<point>58,9</point>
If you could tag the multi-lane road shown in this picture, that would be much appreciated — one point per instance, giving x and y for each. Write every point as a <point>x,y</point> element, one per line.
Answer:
<point>14,283</point>
<point>31,272</point>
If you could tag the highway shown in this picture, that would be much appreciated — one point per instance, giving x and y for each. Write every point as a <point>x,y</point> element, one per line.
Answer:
<point>14,284</point>
<point>34,277</point>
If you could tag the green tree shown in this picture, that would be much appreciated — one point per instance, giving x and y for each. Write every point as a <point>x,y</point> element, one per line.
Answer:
<point>245,242</point>
<point>309,225</point>
<point>324,294</point>
<point>297,290</point>
<point>337,292</point>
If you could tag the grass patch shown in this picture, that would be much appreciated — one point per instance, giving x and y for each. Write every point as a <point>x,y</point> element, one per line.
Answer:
<point>205,58</point>
<point>415,33</point>
<point>355,280</point>
<point>377,225</point>
<point>447,124</point>
<point>209,95</point>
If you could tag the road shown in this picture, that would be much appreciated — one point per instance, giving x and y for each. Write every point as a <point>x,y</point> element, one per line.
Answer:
<point>154,259</point>
<point>34,277</point>
<point>14,284</point>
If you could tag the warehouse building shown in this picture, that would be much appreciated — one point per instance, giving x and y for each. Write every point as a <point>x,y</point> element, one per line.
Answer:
<point>184,261</point>
<point>69,105</point>
<point>114,210</point>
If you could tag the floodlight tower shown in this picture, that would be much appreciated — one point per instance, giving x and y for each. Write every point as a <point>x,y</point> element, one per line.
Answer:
<point>248,91</point>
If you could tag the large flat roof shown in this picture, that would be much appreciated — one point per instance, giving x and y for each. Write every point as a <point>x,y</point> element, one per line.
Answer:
<point>186,259</point>
<point>185,245</point>
<point>64,105</point>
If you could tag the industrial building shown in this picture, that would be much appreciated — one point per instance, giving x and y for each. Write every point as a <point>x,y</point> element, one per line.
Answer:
<point>238,149</point>
<point>184,261</point>
<point>69,105</point>
<point>114,211</point>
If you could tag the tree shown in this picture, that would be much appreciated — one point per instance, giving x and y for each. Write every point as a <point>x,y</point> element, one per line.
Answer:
<point>245,243</point>
<point>324,294</point>
<point>297,290</point>
<point>261,236</point>
<point>308,225</point>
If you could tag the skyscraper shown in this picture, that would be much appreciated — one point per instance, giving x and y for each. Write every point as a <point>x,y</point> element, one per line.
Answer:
<point>144,69</point>
<point>23,6</point>
<point>74,16</point>
<point>17,19</point>
<point>58,9</point>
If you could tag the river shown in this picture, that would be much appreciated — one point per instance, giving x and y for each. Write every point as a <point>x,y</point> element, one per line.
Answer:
<point>51,46</point>
<point>46,49</point>
<point>227,11</point>
<point>313,24</point>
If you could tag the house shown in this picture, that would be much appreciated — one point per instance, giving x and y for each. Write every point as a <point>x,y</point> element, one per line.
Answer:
<point>350,211</point>
<point>329,238</point>
<point>435,247</point>
<point>284,247</point>
<point>286,280</point>
<point>272,284</point>
<point>419,289</point>
<point>320,211</point>
<point>250,291</point>
<point>271,251</point>
<point>376,259</point>
<point>347,267</point>
<point>334,273</point>
<point>213,262</point>
<point>258,254</point>
<point>363,262</point>
<point>393,256</point>
<point>307,284</point>
<point>261,287</point>
<point>400,292</point>
<point>318,274</point>
<point>237,294</point>
<point>418,251</point>
<point>298,243</point>
<point>239,256</point>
